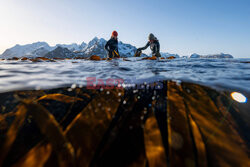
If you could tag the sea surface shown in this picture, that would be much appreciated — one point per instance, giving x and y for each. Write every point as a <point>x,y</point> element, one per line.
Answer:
<point>229,74</point>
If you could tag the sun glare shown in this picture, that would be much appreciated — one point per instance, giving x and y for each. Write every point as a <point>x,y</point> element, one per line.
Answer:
<point>239,97</point>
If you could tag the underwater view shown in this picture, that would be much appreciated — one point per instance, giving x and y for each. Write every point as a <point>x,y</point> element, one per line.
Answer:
<point>125,112</point>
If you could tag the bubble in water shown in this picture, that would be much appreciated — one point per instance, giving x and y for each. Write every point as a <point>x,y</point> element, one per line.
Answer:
<point>73,86</point>
<point>239,97</point>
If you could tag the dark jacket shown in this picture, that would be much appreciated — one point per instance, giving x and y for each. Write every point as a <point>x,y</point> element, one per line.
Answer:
<point>154,46</point>
<point>112,47</point>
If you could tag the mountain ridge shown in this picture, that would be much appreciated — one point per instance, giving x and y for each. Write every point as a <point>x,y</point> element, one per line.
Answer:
<point>93,47</point>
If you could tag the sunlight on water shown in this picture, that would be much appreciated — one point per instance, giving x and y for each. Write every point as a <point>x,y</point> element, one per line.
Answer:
<point>239,97</point>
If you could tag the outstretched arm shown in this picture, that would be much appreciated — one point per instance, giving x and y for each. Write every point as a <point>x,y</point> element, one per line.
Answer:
<point>145,47</point>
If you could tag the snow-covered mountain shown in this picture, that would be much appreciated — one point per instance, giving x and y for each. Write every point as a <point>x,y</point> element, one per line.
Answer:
<point>126,50</point>
<point>222,55</point>
<point>94,47</point>
<point>71,47</point>
<point>30,50</point>
<point>60,52</point>
<point>42,49</point>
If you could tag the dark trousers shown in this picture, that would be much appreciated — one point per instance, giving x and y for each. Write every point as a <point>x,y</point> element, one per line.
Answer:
<point>112,54</point>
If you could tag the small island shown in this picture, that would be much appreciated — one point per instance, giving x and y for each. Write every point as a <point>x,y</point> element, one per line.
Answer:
<point>212,56</point>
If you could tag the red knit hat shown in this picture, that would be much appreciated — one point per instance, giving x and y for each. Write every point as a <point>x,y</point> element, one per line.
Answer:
<point>114,34</point>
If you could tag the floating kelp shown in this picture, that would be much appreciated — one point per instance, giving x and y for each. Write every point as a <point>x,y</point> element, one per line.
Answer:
<point>94,57</point>
<point>150,58</point>
<point>179,124</point>
<point>171,57</point>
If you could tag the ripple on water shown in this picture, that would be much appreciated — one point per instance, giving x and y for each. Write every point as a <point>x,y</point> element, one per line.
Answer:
<point>211,72</point>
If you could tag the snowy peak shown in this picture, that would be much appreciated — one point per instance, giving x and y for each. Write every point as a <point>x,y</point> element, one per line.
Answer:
<point>25,50</point>
<point>93,42</point>
<point>83,45</point>
<point>96,41</point>
<point>95,47</point>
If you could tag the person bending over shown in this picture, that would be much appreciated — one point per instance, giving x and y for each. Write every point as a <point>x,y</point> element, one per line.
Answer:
<point>154,45</point>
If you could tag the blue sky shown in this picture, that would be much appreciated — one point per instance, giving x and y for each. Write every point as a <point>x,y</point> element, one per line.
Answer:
<point>182,26</point>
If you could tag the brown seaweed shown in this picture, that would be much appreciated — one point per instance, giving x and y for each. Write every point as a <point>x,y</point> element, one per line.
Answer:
<point>178,125</point>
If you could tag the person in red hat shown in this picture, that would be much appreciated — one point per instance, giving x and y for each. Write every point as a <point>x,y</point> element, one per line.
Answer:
<point>112,46</point>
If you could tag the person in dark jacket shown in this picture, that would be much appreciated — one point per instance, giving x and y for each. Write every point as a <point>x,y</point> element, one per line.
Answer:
<point>112,46</point>
<point>154,45</point>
